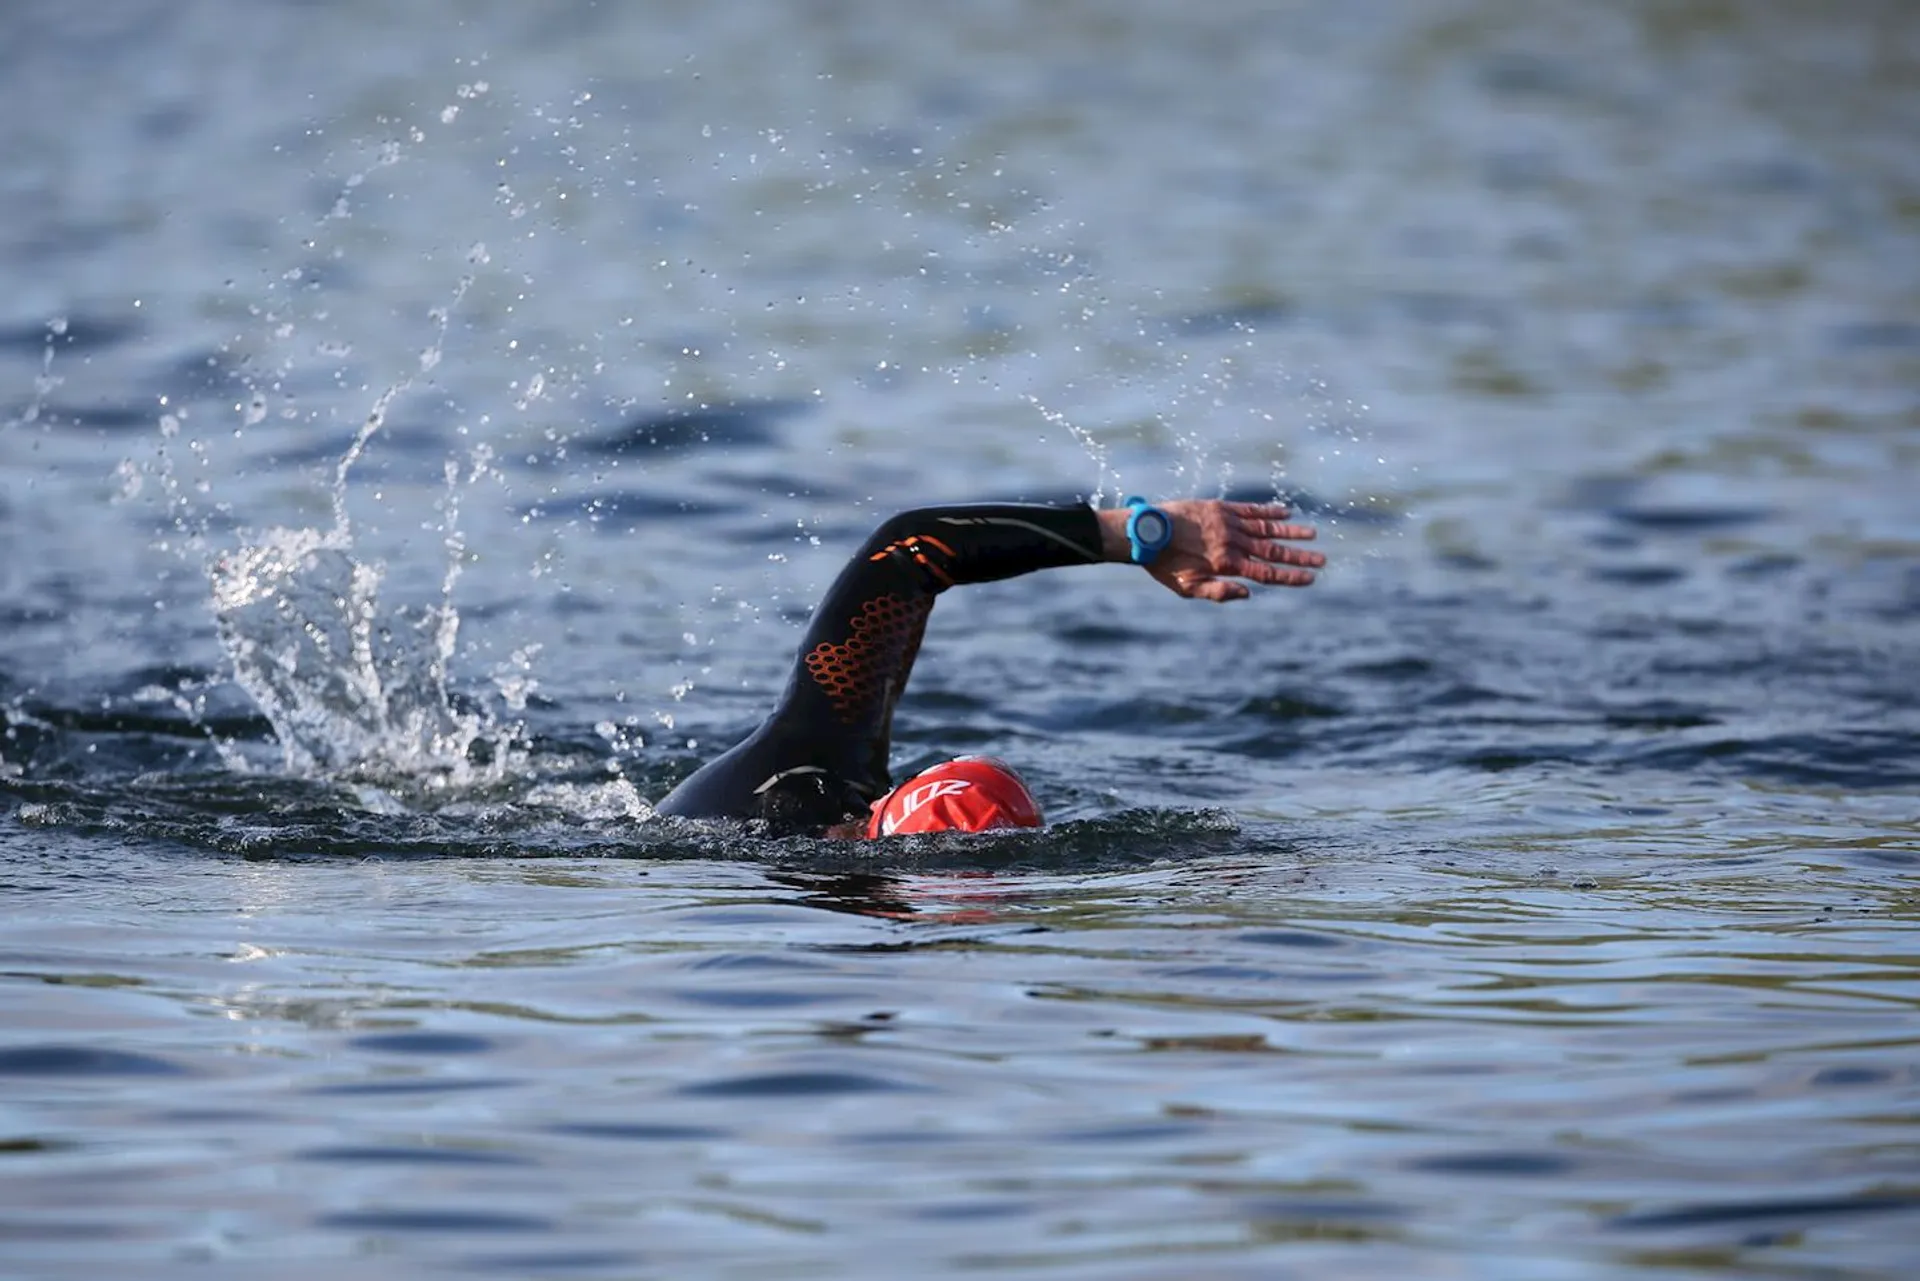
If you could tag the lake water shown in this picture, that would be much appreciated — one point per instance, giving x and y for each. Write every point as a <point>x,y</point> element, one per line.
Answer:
<point>424,429</point>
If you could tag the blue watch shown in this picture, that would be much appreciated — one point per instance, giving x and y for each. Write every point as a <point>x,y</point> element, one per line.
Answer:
<point>1149,530</point>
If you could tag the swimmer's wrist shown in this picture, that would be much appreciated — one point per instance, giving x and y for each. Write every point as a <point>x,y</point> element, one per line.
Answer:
<point>1113,534</point>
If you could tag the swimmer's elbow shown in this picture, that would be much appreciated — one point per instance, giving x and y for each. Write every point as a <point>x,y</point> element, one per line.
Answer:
<point>906,543</point>
<point>901,526</point>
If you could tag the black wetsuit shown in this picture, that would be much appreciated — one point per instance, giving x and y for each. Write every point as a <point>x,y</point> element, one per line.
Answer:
<point>821,757</point>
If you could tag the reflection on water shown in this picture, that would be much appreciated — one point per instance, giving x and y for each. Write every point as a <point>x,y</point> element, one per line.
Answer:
<point>1534,898</point>
<point>1103,1065</point>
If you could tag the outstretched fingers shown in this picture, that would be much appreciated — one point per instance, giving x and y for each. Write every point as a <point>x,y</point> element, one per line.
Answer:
<point>1280,553</point>
<point>1278,529</point>
<point>1225,585</point>
<point>1259,511</point>
<point>1271,575</point>
<point>1277,549</point>
<point>1264,520</point>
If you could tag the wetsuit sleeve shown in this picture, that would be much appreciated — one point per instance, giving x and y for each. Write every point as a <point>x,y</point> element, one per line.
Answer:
<point>861,643</point>
<point>831,733</point>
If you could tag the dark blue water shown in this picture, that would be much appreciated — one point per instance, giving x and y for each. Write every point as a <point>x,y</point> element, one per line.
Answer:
<point>425,429</point>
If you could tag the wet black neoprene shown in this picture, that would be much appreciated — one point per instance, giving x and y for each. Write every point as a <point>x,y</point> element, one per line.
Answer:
<point>821,757</point>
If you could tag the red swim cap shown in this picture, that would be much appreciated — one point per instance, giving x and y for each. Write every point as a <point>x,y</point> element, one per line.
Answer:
<point>969,794</point>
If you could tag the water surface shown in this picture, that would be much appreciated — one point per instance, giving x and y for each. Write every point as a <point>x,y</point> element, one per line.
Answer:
<point>425,430</point>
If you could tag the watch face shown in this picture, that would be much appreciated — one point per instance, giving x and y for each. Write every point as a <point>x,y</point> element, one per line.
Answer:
<point>1151,528</point>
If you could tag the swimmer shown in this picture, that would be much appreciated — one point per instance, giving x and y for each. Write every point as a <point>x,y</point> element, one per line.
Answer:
<point>818,765</point>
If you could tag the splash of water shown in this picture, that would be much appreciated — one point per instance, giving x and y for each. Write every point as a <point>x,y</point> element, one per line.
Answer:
<point>1097,450</point>
<point>353,688</point>
<point>357,689</point>
<point>46,381</point>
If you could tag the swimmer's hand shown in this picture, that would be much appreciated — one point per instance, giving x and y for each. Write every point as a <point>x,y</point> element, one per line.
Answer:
<point>1216,544</point>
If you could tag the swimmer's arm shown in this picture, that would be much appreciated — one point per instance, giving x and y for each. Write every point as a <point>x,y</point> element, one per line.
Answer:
<point>1216,544</point>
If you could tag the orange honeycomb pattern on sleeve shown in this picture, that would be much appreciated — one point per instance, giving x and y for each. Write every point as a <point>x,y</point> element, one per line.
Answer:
<point>872,662</point>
